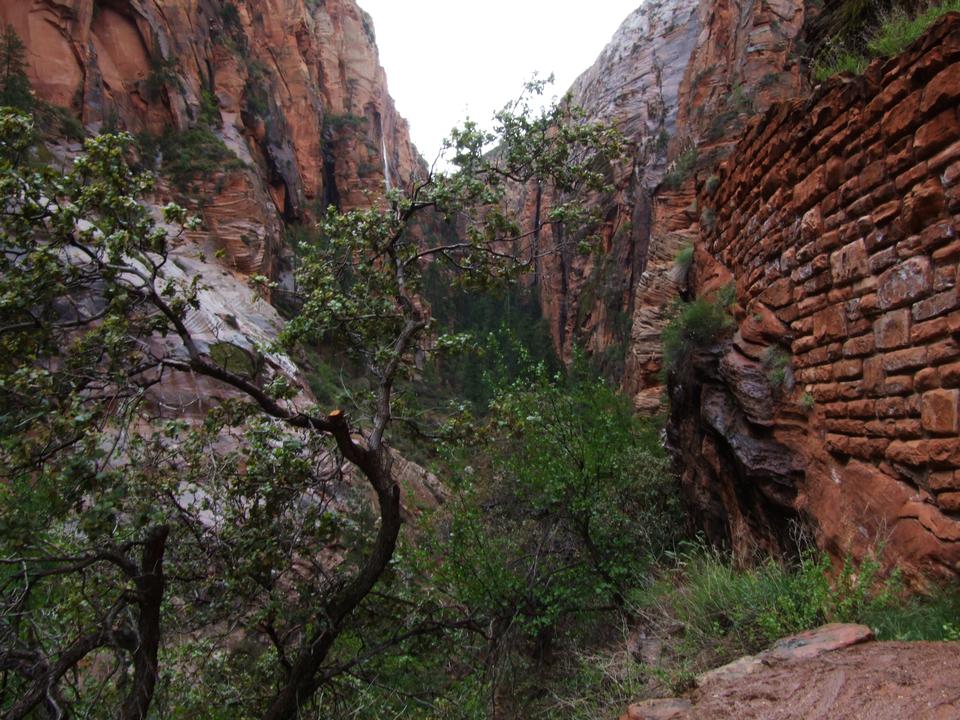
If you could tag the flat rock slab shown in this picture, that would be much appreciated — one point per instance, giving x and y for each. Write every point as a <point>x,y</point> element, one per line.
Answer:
<point>816,642</point>
<point>868,681</point>
<point>809,644</point>
<point>665,709</point>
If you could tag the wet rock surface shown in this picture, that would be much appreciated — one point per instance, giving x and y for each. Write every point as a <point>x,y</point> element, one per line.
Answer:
<point>834,672</point>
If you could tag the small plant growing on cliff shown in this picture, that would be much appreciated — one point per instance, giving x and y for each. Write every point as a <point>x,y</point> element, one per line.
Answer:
<point>807,401</point>
<point>684,259</point>
<point>695,325</point>
<point>777,364</point>
<point>188,156</point>
<point>681,168</point>
<point>163,73</point>
<point>895,31</point>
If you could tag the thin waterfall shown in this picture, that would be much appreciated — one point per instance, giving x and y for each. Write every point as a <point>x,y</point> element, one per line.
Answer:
<point>386,162</point>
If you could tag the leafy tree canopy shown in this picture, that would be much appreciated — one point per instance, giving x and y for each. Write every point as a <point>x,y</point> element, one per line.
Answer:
<point>218,561</point>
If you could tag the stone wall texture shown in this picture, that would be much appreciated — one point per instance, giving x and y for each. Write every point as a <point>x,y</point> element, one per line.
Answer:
<point>837,216</point>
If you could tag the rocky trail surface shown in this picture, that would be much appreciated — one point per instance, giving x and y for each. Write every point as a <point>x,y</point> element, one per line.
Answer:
<point>833,673</point>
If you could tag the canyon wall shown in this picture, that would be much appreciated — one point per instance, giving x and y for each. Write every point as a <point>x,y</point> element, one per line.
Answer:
<point>836,403</point>
<point>680,78</point>
<point>747,55</point>
<point>633,85</point>
<point>292,87</point>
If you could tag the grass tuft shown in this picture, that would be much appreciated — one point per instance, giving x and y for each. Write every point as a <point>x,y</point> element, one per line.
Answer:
<point>895,32</point>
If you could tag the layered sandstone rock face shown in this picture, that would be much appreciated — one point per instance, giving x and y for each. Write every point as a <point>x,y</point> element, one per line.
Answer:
<point>745,57</point>
<point>293,87</point>
<point>679,78</point>
<point>838,218</point>
<point>634,85</point>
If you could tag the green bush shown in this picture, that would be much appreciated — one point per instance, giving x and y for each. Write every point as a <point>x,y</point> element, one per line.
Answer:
<point>684,258</point>
<point>54,121</point>
<point>894,34</point>
<point>695,325</point>
<point>778,365</point>
<point>681,169</point>
<point>163,72</point>
<point>189,155</point>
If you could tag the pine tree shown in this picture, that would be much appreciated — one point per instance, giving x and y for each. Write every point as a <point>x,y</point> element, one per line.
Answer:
<point>14,85</point>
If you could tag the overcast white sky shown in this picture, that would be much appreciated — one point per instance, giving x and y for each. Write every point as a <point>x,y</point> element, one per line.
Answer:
<point>447,59</point>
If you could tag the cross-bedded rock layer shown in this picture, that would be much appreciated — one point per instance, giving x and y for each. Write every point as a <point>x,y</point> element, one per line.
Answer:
<point>293,88</point>
<point>837,217</point>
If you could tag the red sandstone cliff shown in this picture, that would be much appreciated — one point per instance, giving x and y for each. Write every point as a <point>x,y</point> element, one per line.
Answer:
<point>837,216</point>
<point>293,87</point>
<point>679,78</point>
<point>634,84</point>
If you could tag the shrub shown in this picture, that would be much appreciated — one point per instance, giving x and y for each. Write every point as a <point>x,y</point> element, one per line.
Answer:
<point>335,122</point>
<point>777,364</point>
<point>681,169</point>
<point>708,219</point>
<point>185,156</point>
<point>695,325</point>
<point>163,72</point>
<point>230,16</point>
<point>684,258</point>
<point>53,121</point>
<point>894,34</point>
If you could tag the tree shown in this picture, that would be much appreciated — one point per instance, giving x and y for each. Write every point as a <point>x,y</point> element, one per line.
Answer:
<point>14,85</point>
<point>564,504</point>
<point>104,520</point>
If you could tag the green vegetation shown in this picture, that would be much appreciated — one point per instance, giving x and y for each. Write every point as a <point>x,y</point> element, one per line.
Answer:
<point>681,169</point>
<point>778,365</point>
<point>230,16</point>
<point>334,122</point>
<point>727,612</point>
<point>695,325</point>
<point>246,560</point>
<point>163,73</point>
<point>57,122</point>
<point>684,259</point>
<point>193,154</point>
<point>15,92</point>
<point>233,359</point>
<point>894,32</point>
<point>14,86</point>
<point>224,561</point>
